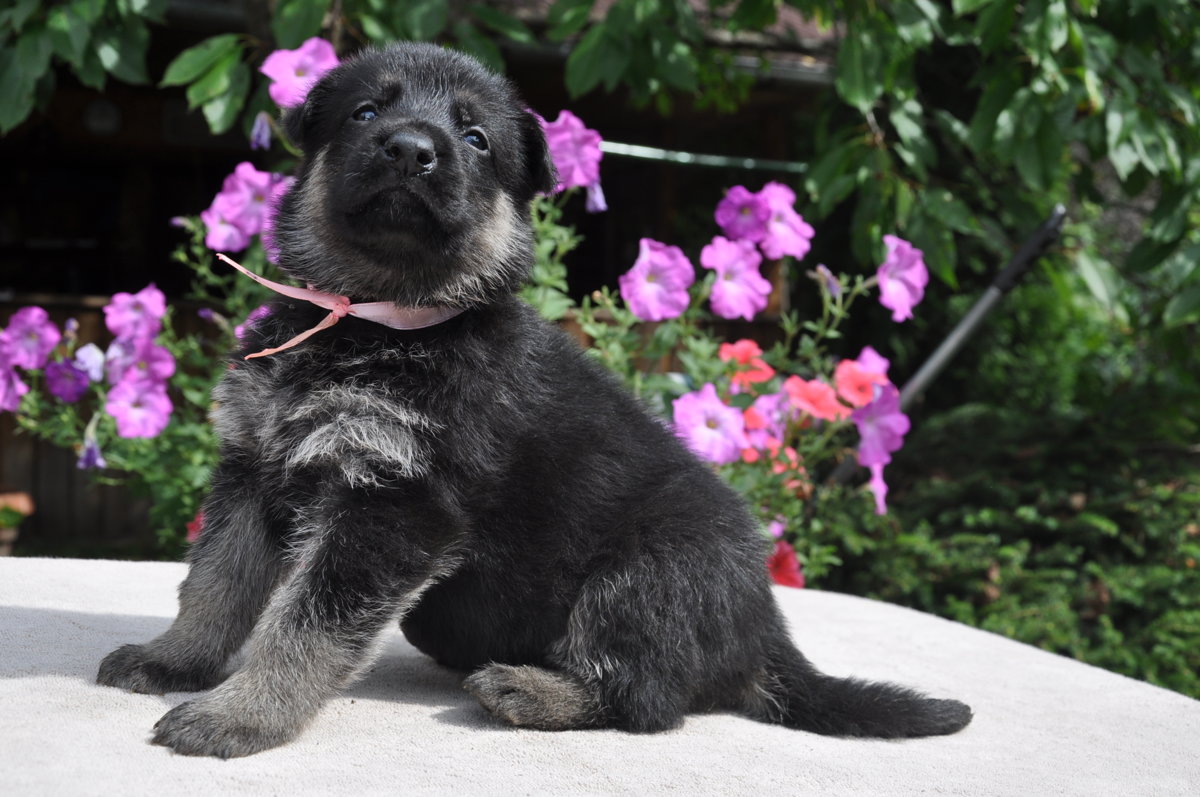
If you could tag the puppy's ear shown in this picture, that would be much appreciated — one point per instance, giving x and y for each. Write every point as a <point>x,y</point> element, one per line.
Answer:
<point>300,122</point>
<point>540,172</point>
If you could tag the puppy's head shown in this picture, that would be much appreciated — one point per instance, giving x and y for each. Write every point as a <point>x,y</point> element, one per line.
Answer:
<point>415,187</point>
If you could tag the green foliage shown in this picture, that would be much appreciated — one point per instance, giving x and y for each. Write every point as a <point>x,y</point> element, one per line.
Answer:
<point>1066,533</point>
<point>92,38</point>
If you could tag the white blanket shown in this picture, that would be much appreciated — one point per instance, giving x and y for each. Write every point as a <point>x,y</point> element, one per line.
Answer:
<point>1043,724</point>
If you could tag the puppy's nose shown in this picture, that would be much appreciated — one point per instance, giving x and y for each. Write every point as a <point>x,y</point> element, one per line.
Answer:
<point>411,153</point>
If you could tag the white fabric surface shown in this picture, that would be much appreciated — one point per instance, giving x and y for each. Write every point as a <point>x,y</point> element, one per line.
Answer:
<point>1043,724</point>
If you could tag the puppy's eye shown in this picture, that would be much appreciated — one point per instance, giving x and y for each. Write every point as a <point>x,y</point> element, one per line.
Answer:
<point>475,138</point>
<point>365,113</point>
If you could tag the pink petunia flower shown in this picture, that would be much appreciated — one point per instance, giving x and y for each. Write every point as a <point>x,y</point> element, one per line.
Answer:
<point>223,235</point>
<point>902,278</point>
<point>294,72</point>
<point>575,150</point>
<point>243,198</point>
<point>656,288</point>
<point>881,429</point>
<point>11,386</point>
<point>855,384</point>
<point>767,419</point>
<point>743,216</point>
<point>711,428</point>
<point>740,290</point>
<point>136,316</point>
<point>279,188</point>
<point>140,407</point>
<point>31,337</point>
<point>747,355</point>
<point>816,398</point>
<point>784,567</point>
<point>873,362</point>
<point>787,233</point>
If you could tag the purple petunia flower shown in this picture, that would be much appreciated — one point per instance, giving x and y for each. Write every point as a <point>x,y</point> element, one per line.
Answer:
<point>881,429</point>
<point>223,235</point>
<point>294,72</point>
<point>11,386</point>
<point>260,132</point>
<point>772,412</point>
<point>902,278</point>
<point>656,288</point>
<point>140,407</point>
<point>258,313</point>
<point>740,290</point>
<point>65,381</point>
<point>90,456</point>
<point>136,316</point>
<point>743,216</point>
<point>31,337</point>
<point>787,231</point>
<point>712,429</point>
<point>828,279</point>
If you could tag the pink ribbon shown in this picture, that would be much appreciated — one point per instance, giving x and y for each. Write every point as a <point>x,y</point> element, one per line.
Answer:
<point>385,313</point>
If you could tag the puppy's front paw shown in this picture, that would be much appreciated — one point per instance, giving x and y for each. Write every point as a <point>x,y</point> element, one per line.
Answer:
<point>136,668</point>
<point>205,727</point>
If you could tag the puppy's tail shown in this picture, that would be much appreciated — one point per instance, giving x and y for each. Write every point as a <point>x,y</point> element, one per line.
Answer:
<point>800,696</point>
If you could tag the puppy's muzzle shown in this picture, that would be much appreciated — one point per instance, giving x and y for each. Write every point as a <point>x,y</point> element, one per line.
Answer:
<point>410,153</point>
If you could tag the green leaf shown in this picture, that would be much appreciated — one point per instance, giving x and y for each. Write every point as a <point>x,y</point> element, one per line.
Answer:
<point>754,14</point>
<point>215,82</point>
<point>153,10</point>
<point>295,21</point>
<point>506,25</point>
<point>422,20</point>
<point>598,56</point>
<point>1184,307</point>
<point>994,26</point>
<point>19,14</point>
<point>470,40</point>
<point>222,111</point>
<point>962,7</point>
<point>998,96</point>
<point>859,68</point>
<point>34,49</point>
<point>195,61</point>
<point>69,35</point>
<point>567,17</point>
<point>16,91</point>
<point>122,52</point>
<point>677,66</point>
<point>1099,276</point>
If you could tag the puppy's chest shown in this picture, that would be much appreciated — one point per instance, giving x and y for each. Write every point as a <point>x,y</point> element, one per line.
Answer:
<point>364,427</point>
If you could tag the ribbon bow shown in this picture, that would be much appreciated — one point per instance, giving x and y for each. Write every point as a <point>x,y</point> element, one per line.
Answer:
<point>386,313</point>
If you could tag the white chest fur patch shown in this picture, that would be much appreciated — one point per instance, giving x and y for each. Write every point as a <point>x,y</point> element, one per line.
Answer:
<point>369,435</point>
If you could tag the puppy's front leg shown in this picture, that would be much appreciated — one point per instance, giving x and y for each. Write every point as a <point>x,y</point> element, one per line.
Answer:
<point>234,565</point>
<point>365,562</point>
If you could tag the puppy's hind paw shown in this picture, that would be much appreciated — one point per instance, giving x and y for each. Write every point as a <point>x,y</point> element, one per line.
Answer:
<point>136,668</point>
<point>533,697</point>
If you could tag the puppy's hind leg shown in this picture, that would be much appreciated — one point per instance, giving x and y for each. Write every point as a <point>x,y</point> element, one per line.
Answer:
<point>534,697</point>
<point>234,565</point>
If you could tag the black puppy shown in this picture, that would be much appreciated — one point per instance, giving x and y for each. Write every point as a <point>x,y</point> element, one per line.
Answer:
<point>481,479</point>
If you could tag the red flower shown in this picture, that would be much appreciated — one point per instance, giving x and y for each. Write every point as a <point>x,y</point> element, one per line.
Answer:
<point>855,384</point>
<point>784,567</point>
<point>816,398</point>
<point>195,526</point>
<point>748,357</point>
